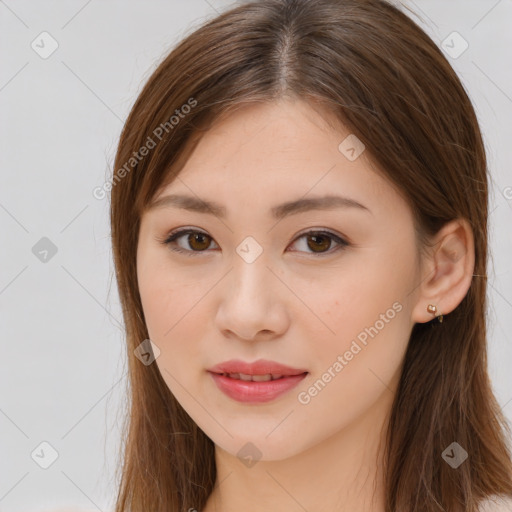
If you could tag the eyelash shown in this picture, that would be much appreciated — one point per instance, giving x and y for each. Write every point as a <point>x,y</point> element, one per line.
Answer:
<point>169,240</point>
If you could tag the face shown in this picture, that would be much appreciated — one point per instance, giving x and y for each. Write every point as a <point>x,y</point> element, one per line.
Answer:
<point>324,290</point>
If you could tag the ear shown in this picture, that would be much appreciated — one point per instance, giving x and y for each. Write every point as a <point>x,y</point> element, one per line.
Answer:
<point>447,271</point>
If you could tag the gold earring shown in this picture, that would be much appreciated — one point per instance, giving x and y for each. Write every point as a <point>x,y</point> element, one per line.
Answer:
<point>432,309</point>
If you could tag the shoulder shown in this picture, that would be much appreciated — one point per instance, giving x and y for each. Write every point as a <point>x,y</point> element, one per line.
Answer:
<point>497,504</point>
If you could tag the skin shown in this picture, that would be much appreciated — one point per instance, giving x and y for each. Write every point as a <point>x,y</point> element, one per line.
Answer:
<point>298,303</point>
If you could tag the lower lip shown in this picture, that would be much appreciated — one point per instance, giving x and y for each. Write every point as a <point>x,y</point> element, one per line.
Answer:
<point>255,392</point>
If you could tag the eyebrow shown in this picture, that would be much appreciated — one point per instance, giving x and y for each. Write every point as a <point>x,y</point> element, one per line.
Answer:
<point>195,204</point>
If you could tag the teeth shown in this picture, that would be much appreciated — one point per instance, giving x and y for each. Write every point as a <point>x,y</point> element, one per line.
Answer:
<point>255,378</point>
<point>261,378</point>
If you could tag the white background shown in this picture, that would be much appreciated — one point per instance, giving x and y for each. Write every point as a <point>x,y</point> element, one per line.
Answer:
<point>62,359</point>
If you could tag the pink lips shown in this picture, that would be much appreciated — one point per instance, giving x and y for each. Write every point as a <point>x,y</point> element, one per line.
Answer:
<point>249,391</point>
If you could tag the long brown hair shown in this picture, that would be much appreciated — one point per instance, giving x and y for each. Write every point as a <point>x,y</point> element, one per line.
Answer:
<point>381,75</point>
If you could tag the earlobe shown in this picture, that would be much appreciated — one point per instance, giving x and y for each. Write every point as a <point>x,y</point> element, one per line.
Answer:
<point>433,309</point>
<point>448,272</point>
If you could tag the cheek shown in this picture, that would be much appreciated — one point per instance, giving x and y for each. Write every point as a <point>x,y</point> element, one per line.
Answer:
<point>367,322</point>
<point>355,300</point>
<point>171,314</point>
<point>356,368</point>
<point>173,326</point>
<point>175,317</point>
<point>164,293</point>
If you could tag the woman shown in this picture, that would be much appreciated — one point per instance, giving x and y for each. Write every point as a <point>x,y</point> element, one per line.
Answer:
<point>299,228</point>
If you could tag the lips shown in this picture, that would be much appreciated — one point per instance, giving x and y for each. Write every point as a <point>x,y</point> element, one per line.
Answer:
<point>260,370</point>
<point>257,382</point>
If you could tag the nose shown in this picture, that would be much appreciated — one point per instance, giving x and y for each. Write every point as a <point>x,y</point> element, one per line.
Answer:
<point>251,302</point>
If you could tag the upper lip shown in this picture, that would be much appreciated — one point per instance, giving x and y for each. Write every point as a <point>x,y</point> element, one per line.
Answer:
<point>259,367</point>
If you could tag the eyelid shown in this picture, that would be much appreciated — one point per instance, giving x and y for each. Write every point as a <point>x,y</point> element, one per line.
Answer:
<point>342,241</point>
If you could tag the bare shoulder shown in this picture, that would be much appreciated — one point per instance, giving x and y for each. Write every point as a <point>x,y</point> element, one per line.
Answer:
<point>497,504</point>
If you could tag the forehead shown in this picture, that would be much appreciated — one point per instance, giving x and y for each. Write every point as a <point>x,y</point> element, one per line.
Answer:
<point>284,131</point>
<point>269,153</point>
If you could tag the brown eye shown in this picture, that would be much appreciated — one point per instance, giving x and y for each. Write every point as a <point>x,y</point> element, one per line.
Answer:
<point>195,242</point>
<point>198,241</point>
<point>319,242</point>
